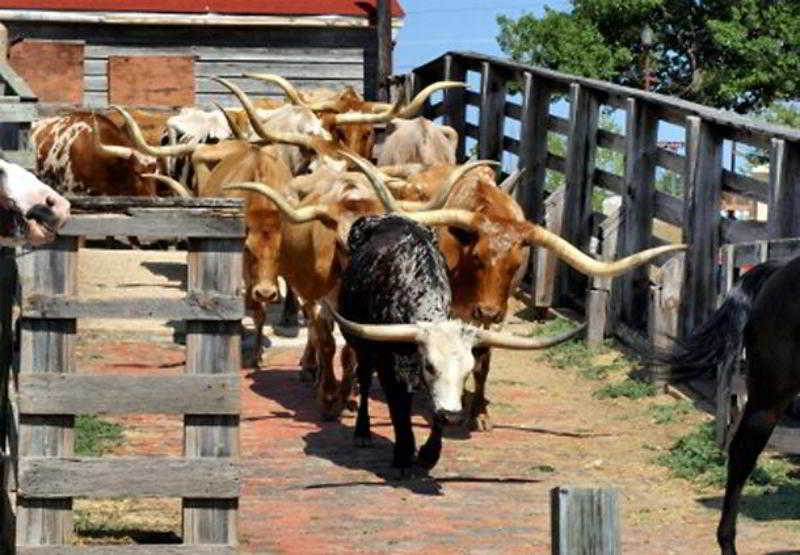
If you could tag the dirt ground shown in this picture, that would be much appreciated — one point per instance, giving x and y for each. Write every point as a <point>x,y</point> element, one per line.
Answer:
<point>307,489</point>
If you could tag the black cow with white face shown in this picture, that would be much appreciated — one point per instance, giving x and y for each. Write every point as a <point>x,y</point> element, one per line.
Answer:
<point>394,305</point>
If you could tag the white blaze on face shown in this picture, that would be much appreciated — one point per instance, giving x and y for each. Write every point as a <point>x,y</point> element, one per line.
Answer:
<point>20,190</point>
<point>446,348</point>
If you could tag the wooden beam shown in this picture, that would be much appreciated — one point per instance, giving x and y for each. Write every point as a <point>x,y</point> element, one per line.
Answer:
<point>455,110</point>
<point>493,99</point>
<point>146,549</point>
<point>784,189</point>
<point>383,28</point>
<point>159,223</point>
<point>585,520</point>
<point>702,197</point>
<point>56,477</point>
<point>120,394</point>
<point>638,206</point>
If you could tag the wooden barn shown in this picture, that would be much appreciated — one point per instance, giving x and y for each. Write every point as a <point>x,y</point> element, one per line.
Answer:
<point>155,52</point>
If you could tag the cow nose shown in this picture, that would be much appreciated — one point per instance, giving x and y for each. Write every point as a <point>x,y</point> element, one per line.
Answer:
<point>487,314</point>
<point>266,294</point>
<point>450,416</point>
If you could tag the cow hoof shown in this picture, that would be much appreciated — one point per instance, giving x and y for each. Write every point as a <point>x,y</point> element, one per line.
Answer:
<point>331,409</point>
<point>480,423</point>
<point>427,458</point>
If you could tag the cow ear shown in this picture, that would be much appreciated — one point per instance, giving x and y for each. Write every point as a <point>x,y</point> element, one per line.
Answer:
<point>463,236</point>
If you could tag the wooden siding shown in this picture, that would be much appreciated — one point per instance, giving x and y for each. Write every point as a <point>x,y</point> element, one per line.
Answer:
<point>310,57</point>
<point>54,70</point>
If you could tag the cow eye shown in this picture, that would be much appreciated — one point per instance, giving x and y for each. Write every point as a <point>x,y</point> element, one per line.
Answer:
<point>462,236</point>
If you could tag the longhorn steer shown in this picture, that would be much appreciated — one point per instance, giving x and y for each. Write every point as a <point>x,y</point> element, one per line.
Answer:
<point>395,304</point>
<point>419,141</point>
<point>73,158</point>
<point>30,211</point>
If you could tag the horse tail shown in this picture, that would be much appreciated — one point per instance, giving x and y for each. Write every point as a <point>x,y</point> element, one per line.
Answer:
<point>718,341</point>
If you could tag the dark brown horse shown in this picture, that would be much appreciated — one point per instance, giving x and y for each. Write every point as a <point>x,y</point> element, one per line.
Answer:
<point>762,314</point>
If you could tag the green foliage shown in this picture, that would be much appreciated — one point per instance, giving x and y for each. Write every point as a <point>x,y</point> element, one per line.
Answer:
<point>669,413</point>
<point>739,55</point>
<point>696,457</point>
<point>95,437</point>
<point>630,388</point>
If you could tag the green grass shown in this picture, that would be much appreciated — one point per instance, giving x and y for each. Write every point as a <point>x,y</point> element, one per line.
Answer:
<point>629,388</point>
<point>672,412</point>
<point>696,457</point>
<point>95,437</point>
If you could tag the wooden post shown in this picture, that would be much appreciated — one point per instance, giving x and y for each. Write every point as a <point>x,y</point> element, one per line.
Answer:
<point>532,156</point>
<point>47,345</point>
<point>8,420</point>
<point>585,521</point>
<point>384,31</point>
<point>665,301</point>
<point>546,261</point>
<point>583,115</point>
<point>638,206</point>
<point>601,310</point>
<point>492,116</point>
<point>455,109</point>
<point>702,193</point>
<point>215,265</point>
<point>3,43</point>
<point>784,189</point>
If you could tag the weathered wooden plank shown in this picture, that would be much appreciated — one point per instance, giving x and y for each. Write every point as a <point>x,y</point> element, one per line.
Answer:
<point>557,124</point>
<point>8,420</point>
<point>454,107</point>
<point>532,156</point>
<point>57,477</point>
<point>584,112</point>
<point>47,346</point>
<point>638,202</point>
<point>25,158</point>
<point>784,189</point>
<point>668,208</point>
<point>212,348</point>
<point>585,520</point>
<point>739,231</point>
<point>85,204</point>
<point>148,549</point>
<point>702,197</point>
<point>744,185</point>
<point>196,306</point>
<point>665,300</point>
<point>611,140</point>
<point>547,263</point>
<point>493,97</point>
<point>15,113</point>
<point>265,54</point>
<point>120,394</point>
<point>669,160</point>
<point>596,316</point>
<point>158,223</point>
<point>15,85</point>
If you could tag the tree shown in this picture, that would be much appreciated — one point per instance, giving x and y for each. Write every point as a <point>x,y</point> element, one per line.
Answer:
<point>735,54</point>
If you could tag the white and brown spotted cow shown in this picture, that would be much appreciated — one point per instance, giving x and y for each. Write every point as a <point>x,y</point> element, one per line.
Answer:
<point>74,159</point>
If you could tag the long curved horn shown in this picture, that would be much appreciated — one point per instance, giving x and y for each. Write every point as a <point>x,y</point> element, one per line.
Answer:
<point>110,150</point>
<point>299,139</point>
<point>541,237</point>
<point>488,338</point>
<point>392,112</point>
<point>294,215</point>
<point>378,184</point>
<point>288,88</point>
<point>237,133</point>
<point>416,104</point>
<point>138,139</point>
<point>443,194</point>
<point>405,333</point>
<point>176,186</point>
<point>510,182</point>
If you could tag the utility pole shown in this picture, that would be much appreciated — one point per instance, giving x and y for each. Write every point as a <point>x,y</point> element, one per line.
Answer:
<point>384,32</point>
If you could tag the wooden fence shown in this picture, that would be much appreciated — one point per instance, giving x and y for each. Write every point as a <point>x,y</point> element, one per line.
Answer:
<point>483,115</point>
<point>41,473</point>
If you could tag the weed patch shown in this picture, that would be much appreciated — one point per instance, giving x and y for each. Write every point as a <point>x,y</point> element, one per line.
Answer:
<point>95,437</point>
<point>628,388</point>
<point>667,414</point>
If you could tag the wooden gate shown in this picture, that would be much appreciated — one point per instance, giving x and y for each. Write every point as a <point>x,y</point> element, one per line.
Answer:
<point>48,390</point>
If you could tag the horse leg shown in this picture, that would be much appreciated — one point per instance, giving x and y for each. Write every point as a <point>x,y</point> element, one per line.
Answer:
<point>757,424</point>
<point>479,413</point>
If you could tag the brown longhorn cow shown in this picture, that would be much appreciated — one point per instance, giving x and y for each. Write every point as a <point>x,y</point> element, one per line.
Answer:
<point>74,158</point>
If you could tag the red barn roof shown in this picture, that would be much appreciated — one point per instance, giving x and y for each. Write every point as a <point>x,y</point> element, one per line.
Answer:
<point>247,7</point>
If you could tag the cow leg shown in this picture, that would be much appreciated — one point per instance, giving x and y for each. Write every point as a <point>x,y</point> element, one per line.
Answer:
<point>308,362</point>
<point>259,318</point>
<point>347,388</point>
<point>363,435</point>
<point>479,413</point>
<point>331,403</point>
<point>399,400</point>
<point>429,453</point>
<point>758,422</point>
<point>289,315</point>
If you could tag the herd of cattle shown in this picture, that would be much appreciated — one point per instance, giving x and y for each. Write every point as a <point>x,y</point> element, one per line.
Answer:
<point>454,244</point>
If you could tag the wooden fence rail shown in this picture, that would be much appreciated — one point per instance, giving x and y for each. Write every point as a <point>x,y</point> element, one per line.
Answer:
<point>483,114</point>
<point>42,473</point>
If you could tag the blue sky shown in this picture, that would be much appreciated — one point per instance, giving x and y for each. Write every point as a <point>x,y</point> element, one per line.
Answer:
<point>434,27</point>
